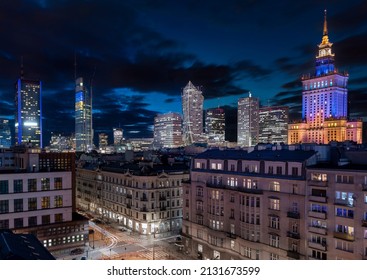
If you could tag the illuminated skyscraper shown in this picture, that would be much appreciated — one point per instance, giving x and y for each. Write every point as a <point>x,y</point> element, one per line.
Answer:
<point>215,125</point>
<point>118,136</point>
<point>324,103</point>
<point>168,131</point>
<point>192,108</point>
<point>28,116</point>
<point>83,117</point>
<point>5,134</point>
<point>273,124</point>
<point>103,140</point>
<point>248,121</point>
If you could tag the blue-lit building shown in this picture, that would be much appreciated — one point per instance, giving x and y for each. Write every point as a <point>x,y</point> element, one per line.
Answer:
<point>28,115</point>
<point>5,134</point>
<point>83,117</point>
<point>325,103</point>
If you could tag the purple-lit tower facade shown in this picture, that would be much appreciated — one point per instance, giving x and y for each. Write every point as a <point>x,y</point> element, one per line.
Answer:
<point>325,103</point>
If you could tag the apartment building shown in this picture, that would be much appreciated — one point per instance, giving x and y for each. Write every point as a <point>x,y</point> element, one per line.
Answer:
<point>337,211</point>
<point>241,205</point>
<point>144,198</point>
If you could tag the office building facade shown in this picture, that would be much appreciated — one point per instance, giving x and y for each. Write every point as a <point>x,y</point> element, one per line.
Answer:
<point>168,131</point>
<point>192,108</point>
<point>248,121</point>
<point>28,115</point>
<point>5,134</point>
<point>273,124</point>
<point>215,125</point>
<point>83,117</point>
<point>118,136</point>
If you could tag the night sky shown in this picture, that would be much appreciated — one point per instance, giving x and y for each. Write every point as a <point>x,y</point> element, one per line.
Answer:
<point>143,52</point>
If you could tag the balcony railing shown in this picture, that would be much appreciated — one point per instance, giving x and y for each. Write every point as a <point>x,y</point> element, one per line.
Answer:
<point>318,246</point>
<point>318,183</point>
<point>319,230</point>
<point>231,235</point>
<point>293,215</point>
<point>343,235</point>
<point>318,198</point>
<point>235,188</point>
<point>294,235</point>
<point>162,197</point>
<point>320,215</point>
<point>293,254</point>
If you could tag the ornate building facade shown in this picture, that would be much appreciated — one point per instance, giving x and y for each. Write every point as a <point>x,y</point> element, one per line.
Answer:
<point>325,103</point>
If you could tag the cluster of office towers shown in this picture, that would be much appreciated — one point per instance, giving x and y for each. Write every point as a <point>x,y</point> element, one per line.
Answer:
<point>324,114</point>
<point>255,124</point>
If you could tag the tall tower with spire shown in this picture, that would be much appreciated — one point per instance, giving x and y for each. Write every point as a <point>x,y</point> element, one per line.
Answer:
<point>28,114</point>
<point>192,108</point>
<point>325,102</point>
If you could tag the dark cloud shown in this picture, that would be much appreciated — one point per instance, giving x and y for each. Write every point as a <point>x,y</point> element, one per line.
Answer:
<point>357,101</point>
<point>351,51</point>
<point>169,100</point>
<point>296,84</point>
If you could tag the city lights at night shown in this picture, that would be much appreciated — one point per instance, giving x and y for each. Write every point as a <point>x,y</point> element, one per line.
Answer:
<point>144,130</point>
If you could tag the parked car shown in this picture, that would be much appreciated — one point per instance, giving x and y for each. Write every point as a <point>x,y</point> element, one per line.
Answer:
<point>77,251</point>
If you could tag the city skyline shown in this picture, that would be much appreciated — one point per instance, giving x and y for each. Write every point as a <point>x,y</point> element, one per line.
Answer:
<point>144,53</point>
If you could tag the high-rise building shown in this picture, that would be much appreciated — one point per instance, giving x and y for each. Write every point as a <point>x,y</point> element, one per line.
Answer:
<point>118,136</point>
<point>103,140</point>
<point>215,125</point>
<point>168,130</point>
<point>60,143</point>
<point>5,134</point>
<point>28,115</point>
<point>192,108</point>
<point>248,121</point>
<point>273,124</point>
<point>83,117</point>
<point>324,103</point>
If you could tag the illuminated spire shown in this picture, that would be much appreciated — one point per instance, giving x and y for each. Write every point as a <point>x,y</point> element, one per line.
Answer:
<point>325,38</point>
<point>325,24</point>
